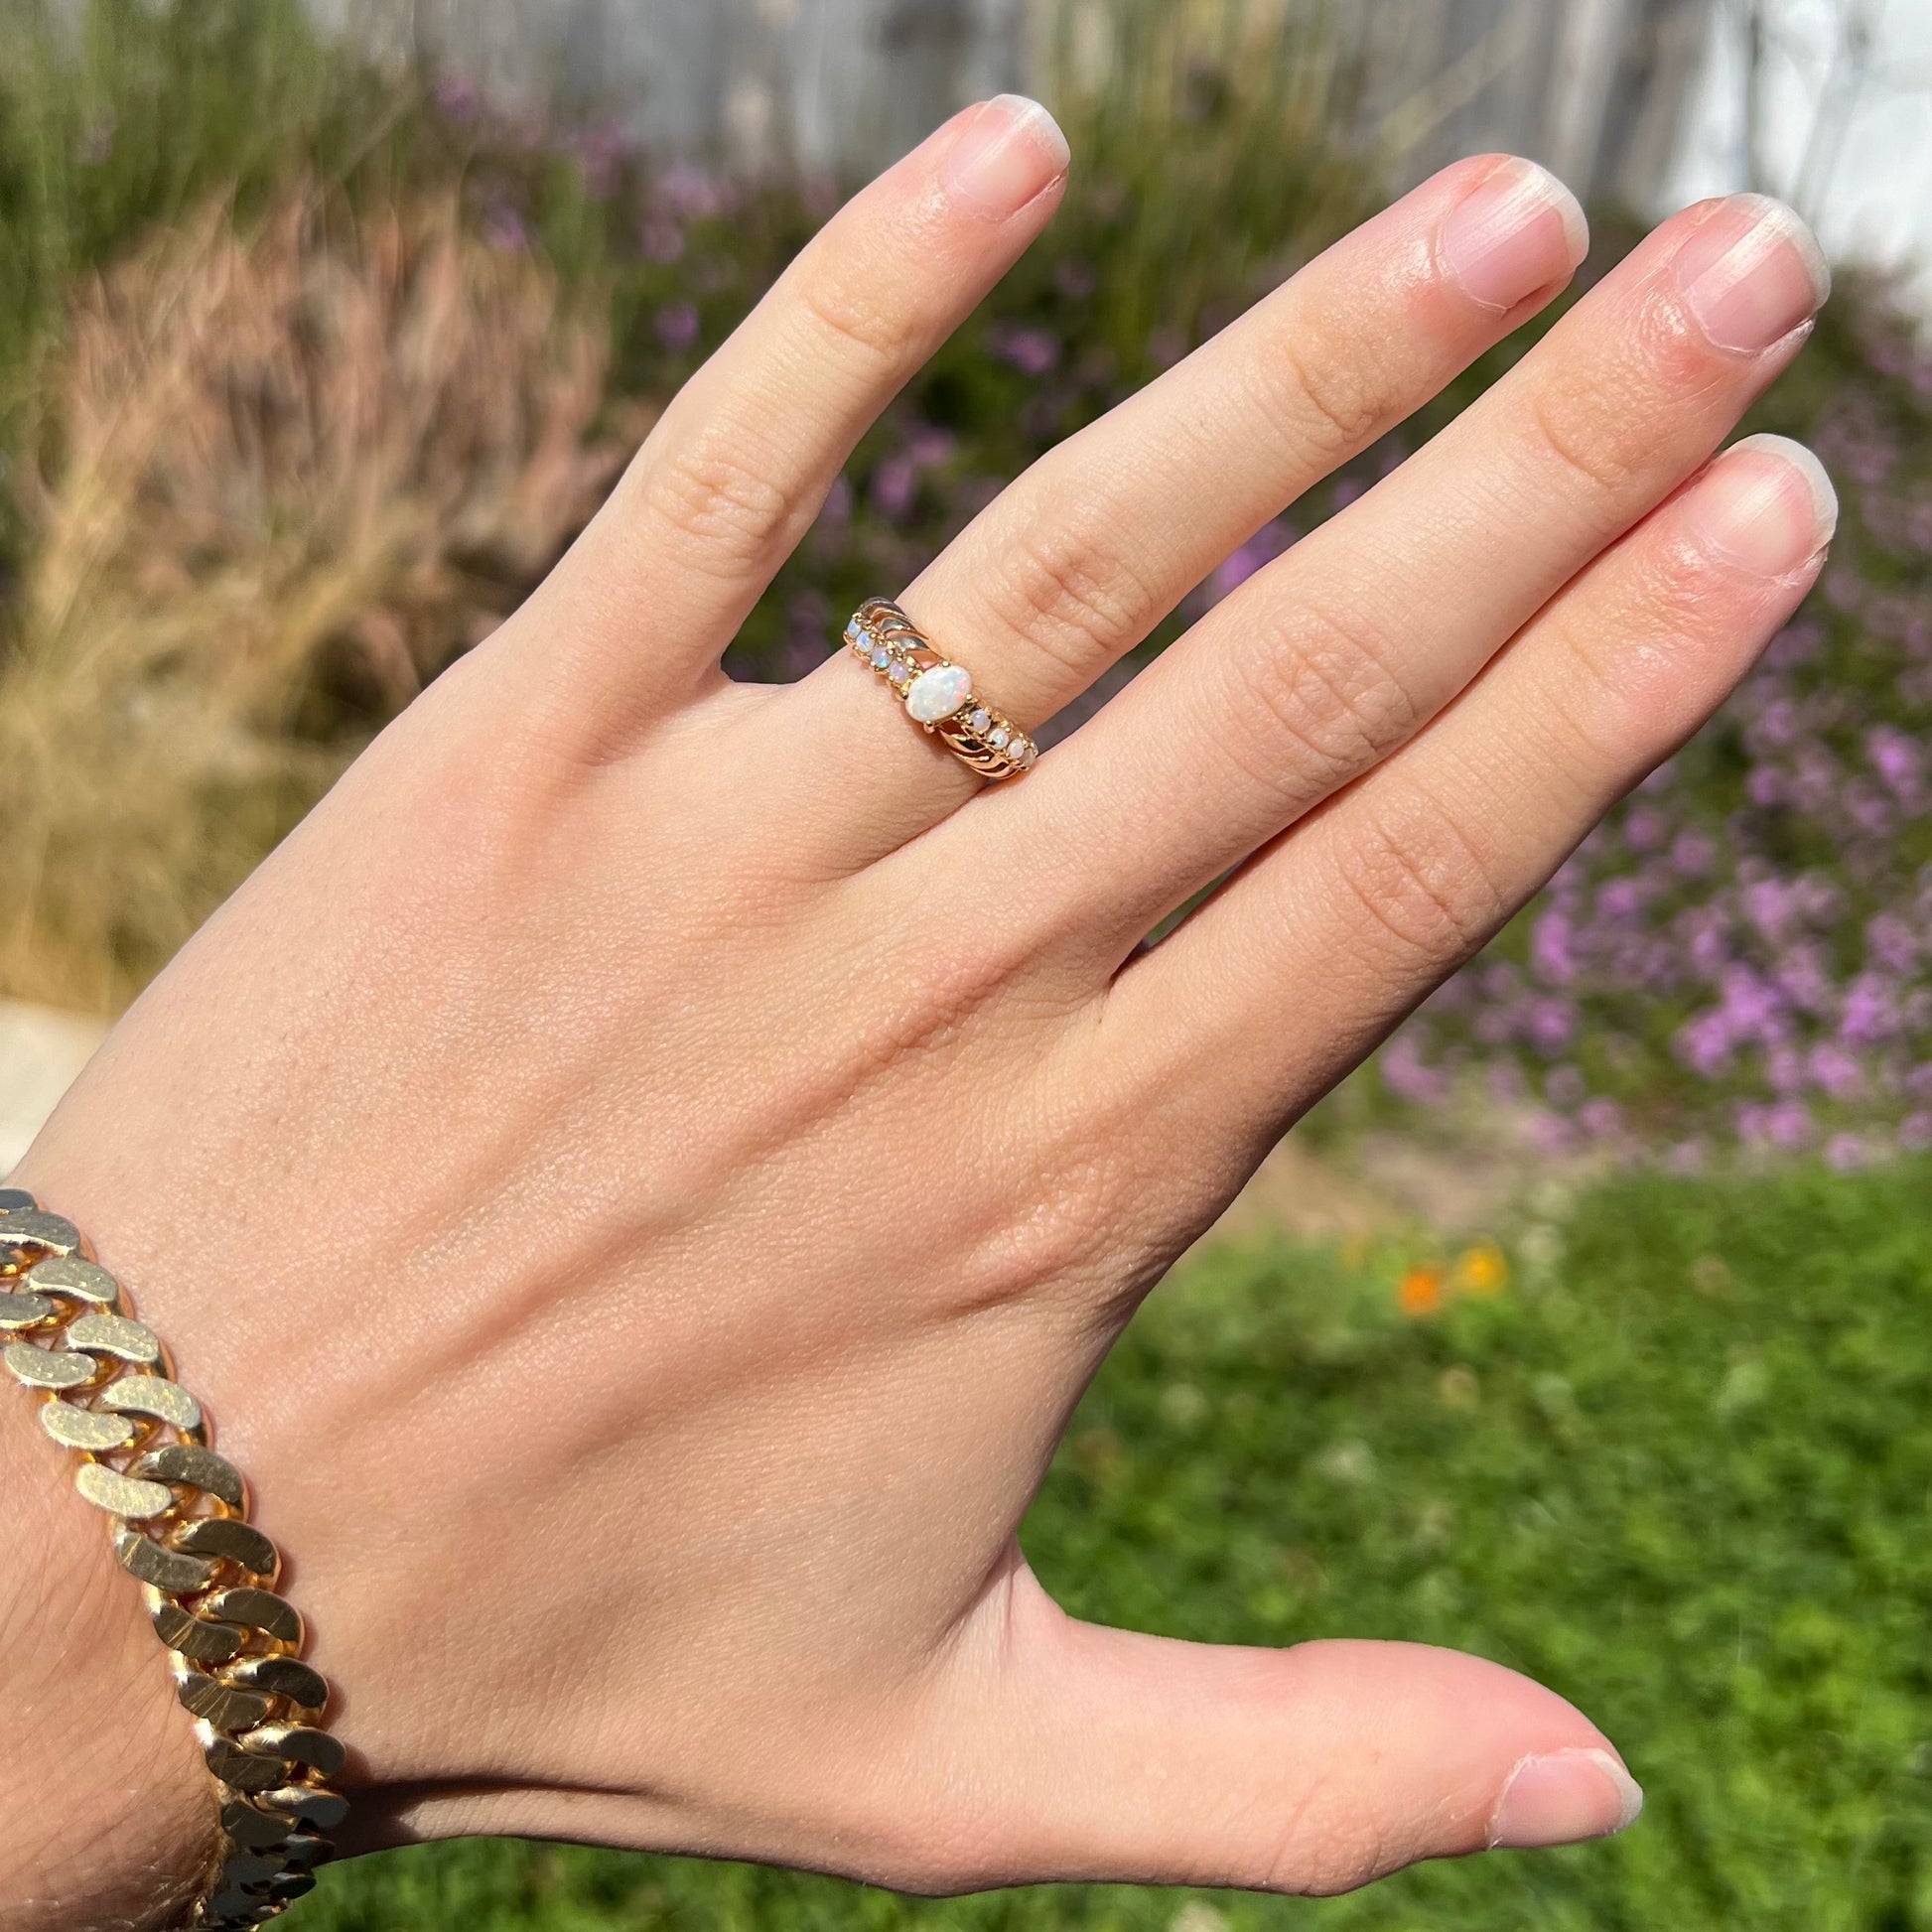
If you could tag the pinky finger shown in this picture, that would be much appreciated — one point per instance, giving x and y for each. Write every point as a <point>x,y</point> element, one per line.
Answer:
<point>1309,955</point>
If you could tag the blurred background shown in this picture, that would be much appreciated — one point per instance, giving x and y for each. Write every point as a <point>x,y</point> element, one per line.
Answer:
<point>1591,1326</point>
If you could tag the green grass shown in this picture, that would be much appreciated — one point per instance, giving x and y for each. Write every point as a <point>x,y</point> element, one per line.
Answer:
<point>1679,1469</point>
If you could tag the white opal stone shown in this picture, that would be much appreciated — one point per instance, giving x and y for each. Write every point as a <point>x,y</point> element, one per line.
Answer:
<point>938,693</point>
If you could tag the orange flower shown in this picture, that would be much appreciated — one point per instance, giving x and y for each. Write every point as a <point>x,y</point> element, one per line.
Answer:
<point>1420,1292</point>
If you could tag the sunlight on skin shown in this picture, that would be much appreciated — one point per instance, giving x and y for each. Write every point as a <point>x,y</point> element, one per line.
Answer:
<point>644,1173</point>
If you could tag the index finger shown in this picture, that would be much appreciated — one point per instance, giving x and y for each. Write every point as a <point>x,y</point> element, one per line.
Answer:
<point>741,461</point>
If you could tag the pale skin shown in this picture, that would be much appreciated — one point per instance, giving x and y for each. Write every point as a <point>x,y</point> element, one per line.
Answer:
<point>643,1177</point>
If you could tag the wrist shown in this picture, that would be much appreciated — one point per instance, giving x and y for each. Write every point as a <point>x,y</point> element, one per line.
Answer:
<point>111,1816</point>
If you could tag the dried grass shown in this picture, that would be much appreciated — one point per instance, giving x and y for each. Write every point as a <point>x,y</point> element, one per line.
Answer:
<point>283,480</point>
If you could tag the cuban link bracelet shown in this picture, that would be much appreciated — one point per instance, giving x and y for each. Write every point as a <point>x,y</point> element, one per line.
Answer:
<point>179,1515</point>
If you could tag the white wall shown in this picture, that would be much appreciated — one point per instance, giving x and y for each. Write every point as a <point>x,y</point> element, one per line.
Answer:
<point>1875,203</point>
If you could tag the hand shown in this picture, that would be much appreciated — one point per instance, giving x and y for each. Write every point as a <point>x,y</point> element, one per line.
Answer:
<point>644,1174</point>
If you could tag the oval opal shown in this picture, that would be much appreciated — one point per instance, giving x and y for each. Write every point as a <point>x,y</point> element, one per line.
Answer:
<point>938,693</point>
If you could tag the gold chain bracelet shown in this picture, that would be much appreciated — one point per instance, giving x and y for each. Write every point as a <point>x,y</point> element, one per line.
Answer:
<point>180,1521</point>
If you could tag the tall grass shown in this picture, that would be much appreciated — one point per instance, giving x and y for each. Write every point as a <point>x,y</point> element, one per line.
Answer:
<point>1215,144</point>
<point>286,477</point>
<point>125,116</point>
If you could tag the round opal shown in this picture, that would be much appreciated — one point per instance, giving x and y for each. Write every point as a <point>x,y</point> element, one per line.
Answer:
<point>881,658</point>
<point>981,719</point>
<point>938,693</point>
<point>998,739</point>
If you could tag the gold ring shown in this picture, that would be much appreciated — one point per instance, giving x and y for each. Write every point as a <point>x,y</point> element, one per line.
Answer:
<point>937,693</point>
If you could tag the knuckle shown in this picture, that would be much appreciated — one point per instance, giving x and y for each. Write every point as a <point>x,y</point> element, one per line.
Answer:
<point>1635,675</point>
<point>1333,399</point>
<point>1327,693</point>
<point>1689,591</point>
<point>722,509</point>
<point>1068,594</point>
<point>1427,896</point>
<point>1325,1853</point>
<point>840,309</point>
<point>1064,1239</point>
<point>1587,434</point>
<point>940,1855</point>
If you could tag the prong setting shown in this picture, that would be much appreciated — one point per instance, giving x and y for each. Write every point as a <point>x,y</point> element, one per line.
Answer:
<point>937,694</point>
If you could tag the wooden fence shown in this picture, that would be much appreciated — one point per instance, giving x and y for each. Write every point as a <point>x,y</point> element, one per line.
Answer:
<point>1597,89</point>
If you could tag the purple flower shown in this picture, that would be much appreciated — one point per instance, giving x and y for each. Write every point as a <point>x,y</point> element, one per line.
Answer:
<point>677,326</point>
<point>1505,1083</point>
<point>1900,761</point>
<point>1871,1012</point>
<point>1033,352</point>
<point>1259,550</point>
<point>503,228</point>
<point>683,193</point>
<point>895,488</point>
<point>1552,948</point>
<point>1693,854</point>
<point>1552,1024</point>
<point>1844,1152</point>
<point>1835,1072</point>
<point>836,511</point>
<point>1563,1086</point>
<point>1408,1077</point>
<point>1646,828</point>
<point>601,153</point>
<point>1892,944</point>
<point>1073,276</point>
<point>1704,1044</point>
<point>929,445</point>
<point>457,98</point>
<point>1786,1124</point>
<point>661,239</point>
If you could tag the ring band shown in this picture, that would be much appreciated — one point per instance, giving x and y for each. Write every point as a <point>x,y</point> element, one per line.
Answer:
<point>937,693</point>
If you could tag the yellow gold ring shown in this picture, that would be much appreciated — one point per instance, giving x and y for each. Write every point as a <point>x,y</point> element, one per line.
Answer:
<point>937,693</point>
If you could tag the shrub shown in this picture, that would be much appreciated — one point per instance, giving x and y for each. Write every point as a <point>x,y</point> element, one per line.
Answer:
<point>288,477</point>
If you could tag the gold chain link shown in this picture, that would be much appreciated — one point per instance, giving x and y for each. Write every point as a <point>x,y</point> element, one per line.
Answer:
<point>179,1515</point>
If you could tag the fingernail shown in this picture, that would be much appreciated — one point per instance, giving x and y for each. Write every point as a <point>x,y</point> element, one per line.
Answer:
<point>1518,233</point>
<point>1564,1799</point>
<point>1753,274</point>
<point>1768,504</point>
<point>1008,150</point>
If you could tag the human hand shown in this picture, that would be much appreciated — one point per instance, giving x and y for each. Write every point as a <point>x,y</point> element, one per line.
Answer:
<point>644,1174</point>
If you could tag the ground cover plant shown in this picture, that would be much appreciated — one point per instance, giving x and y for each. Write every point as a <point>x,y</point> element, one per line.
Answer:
<point>1673,1457</point>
